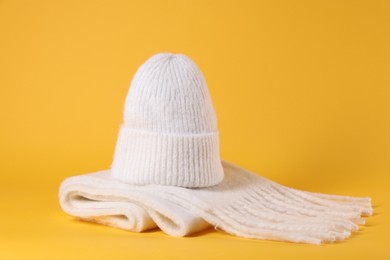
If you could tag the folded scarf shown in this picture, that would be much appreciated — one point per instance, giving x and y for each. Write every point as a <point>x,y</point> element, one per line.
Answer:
<point>244,204</point>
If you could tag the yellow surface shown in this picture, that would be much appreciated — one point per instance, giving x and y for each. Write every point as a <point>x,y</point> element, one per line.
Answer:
<point>301,89</point>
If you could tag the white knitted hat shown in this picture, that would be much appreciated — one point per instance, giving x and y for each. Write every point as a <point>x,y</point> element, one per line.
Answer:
<point>169,135</point>
<point>167,173</point>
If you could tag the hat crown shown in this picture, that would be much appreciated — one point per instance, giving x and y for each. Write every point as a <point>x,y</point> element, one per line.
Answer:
<point>169,135</point>
<point>169,94</point>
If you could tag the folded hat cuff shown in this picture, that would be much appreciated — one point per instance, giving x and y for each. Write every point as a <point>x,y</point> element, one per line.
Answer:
<point>190,160</point>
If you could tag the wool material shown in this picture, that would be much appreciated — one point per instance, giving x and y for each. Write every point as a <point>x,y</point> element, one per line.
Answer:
<point>167,173</point>
<point>244,204</point>
<point>169,135</point>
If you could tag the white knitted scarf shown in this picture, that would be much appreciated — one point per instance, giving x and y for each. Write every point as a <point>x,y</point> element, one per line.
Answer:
<point>244,204</point>
<point>167,173</point>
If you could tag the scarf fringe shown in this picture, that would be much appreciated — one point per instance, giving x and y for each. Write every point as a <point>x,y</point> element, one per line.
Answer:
<point>272,211</point>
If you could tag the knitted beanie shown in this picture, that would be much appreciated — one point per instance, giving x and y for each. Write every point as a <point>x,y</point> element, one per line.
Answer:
<point>169,135</point>
<point>167,173</point>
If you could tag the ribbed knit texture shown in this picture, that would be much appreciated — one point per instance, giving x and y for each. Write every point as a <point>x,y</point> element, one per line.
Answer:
<point>243,204</point>
<point>169,135</point>
<point>168,145</point>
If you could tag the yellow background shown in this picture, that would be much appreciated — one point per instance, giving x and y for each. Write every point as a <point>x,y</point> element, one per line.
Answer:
<point>301,89</point>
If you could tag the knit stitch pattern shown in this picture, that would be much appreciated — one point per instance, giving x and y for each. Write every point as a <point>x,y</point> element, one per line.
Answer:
<point>170,134</point>
<point>167,173</point>
<point>243,204</point>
